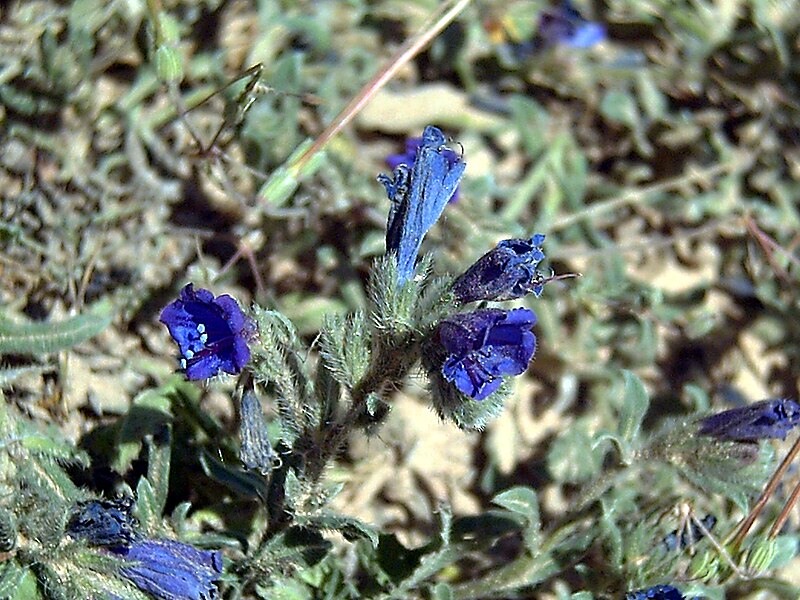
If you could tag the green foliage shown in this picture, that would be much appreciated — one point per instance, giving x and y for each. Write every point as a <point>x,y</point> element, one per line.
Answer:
<point>345,347</point>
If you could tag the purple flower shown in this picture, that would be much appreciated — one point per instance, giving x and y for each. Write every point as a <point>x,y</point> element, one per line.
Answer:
<point>563,25</point>
<point>212,333</point>
<point>103,522</point>
<point>172,570</point>
<point>506,272</point>
<point>485,345</point>
<point>419,194</point>
<point>658,592</point>
<point>410,155</point>
<point>757,421</point>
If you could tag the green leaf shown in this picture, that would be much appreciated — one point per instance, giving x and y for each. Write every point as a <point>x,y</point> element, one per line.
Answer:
<point>47,337</point>
<point>147,508</point>
<point>345,347</point>
<point>572,457</point>
<point>27,589</point>
<point>351,528</point>
<point>11,576</point>
<point>523,501</point>
<point>786,549</point>
<point>250,485</point>
<point>442,591</point>
<point>635,403</point>
<point>159,453</point>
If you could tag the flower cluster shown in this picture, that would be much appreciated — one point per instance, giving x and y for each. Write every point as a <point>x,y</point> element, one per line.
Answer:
<point>476,349</point>
<point>768,419</point>
<point>212,333</point>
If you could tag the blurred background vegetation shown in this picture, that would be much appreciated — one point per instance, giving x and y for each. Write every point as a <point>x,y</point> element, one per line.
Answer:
<point>663,164</point>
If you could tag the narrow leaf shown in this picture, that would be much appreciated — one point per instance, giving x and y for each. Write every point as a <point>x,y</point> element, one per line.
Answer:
<point>46,337</point>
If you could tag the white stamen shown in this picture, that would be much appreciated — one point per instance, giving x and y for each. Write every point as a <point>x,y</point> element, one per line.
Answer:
<point>201,328</point>
<point>183,364</point>
<point>189,354</point>
<point>204,338</point>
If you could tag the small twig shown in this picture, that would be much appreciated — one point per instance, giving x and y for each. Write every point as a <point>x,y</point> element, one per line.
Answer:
<point>772,485</point>
<point>769,246</point>
<point>787,508</point>
<point>634,196</point>
<point>438,21</point>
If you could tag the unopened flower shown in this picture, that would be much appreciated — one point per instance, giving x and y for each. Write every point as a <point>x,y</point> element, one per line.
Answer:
<point>563,25</point>
<point>103,522</point>
<point>410,155</point>
<point>768,419</point>
<point>212,333</point>
<point>419,193</point>
<point>484,346</point>
<point>506,272</point>
<point>171,570</point>
<point>658,592</point>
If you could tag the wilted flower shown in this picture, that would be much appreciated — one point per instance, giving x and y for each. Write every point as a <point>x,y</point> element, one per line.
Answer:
<point>256,451</point>
<point>757,421</point>
<point>171,570</point>
<point>485,345</point>
<point>103,522</point>
<point>410,155</point>
<point>212,333</point>
<point>506,272</point>
<point>658,592</point>
<point>564,25</point>
<point>419,193</point>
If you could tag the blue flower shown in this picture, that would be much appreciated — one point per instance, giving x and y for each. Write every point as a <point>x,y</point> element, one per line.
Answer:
<point>419,193</point>
<point>757,421</point>
<point>103,522</point>
<point>410,155</point>
<point>212,333</point>
<point>506,272</point>
<point>563,25</point>
<point>658,592</point>
<point>171,570</point>
<point>485,345</point>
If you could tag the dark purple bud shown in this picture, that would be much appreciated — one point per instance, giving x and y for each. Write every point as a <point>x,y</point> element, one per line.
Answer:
<point>256,451</point>
<point>506,272</point>
<point>172,570</point>
<point>768,419</point>
<point>103,522</point>
<point>564,25</point>
<point>419,193</point>
<point>658,592</point>
<point>212,333</point>
<point>689,536</point>
<point>484,346</point>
